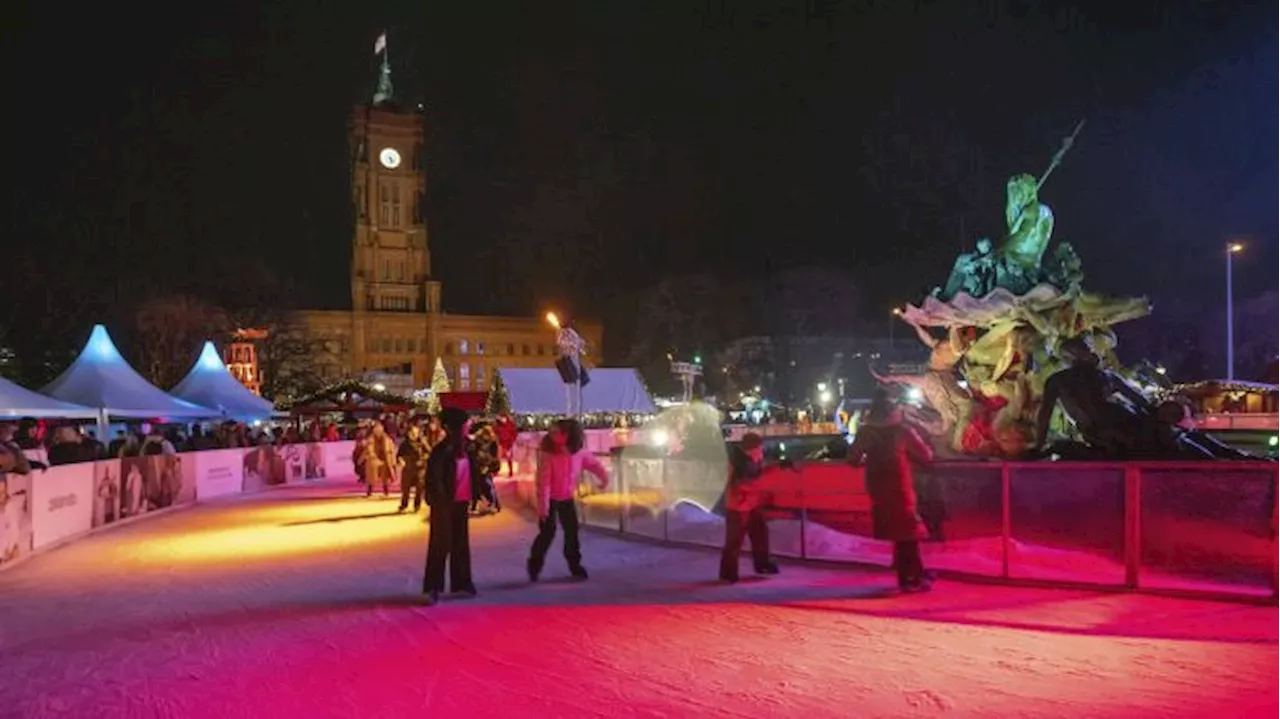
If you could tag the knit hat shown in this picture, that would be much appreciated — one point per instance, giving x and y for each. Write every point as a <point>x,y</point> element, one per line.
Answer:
<point>453,419</point>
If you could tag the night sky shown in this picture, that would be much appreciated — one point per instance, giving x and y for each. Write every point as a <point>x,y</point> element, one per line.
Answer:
<point>580,153</point>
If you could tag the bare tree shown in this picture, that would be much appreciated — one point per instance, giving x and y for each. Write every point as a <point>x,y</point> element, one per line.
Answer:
<point>287,356</point>
<point>169,331</point>
<point>685,317</point>
<point>1257,349</point>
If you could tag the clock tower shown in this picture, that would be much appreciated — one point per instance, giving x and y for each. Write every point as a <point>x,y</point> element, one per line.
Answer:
<point>391,261</point>
<point>391,257</point>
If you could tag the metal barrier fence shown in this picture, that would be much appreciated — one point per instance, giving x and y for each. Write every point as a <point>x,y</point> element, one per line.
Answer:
<point>1200,528</point>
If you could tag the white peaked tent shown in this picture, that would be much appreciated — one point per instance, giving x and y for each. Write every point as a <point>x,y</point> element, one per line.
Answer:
<point>209,384</point>
<point>100,378</point>
<point>17,402</point>
<point>611,390</point>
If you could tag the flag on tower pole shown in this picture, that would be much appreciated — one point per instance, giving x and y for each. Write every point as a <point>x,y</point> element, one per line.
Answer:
<point>380,44</point>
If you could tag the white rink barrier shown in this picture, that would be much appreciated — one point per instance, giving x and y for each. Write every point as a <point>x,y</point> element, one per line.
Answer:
<point>47,507</point>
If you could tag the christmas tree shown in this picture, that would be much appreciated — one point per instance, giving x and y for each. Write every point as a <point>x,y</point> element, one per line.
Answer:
<point>499,402</point>
<point>439,385</point>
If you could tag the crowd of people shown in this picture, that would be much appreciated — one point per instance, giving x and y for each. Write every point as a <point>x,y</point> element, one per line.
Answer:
<point>397,450</point>
<point>448,461</point>
<point>71,443</point>
<point>459,468</point>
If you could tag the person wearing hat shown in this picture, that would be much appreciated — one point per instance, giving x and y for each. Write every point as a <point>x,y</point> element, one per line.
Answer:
<point>743,510</point>
<point>451,472</point>
<point>888,447</point>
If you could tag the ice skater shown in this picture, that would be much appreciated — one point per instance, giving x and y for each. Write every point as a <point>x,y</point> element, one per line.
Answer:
<point>743,510</point>
<point>451,472</point>
<point>508,433</point>
<point>484,447</point>
<point>379,460</point>
<point>412,455</point>
<point>561,462</point>
<point>888,446</point>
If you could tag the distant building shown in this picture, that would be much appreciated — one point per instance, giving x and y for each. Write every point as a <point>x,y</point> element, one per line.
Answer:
<point>241,358</point>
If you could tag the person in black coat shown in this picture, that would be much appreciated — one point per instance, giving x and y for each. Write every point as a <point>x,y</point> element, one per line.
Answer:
<point>484,447</point>
<point>452,470</point>
<point>413,455</point>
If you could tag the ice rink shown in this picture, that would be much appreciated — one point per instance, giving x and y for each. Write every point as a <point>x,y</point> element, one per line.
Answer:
<point>305,602</point>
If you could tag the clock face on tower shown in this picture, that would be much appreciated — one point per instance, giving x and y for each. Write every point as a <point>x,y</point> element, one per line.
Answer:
<point>389,158</point>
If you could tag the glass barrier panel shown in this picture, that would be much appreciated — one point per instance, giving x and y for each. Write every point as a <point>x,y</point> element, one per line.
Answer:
<point>696,491</point>
<point>644,499</point>
<point>601,508</point>
<point>1209,528</point>
<point>1067,523</point>
<point>960,504</point>
<point>782,502</point>
<point>838,515</point>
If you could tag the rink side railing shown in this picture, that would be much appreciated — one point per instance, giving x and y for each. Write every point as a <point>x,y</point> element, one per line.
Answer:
<point>1199,529</point>
<point>49,507</point>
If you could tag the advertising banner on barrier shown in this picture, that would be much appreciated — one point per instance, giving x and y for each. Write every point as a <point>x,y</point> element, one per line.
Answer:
<point>337,459</point>
<point>61,503</point>
<point>152,482</point>
<point>106,491</point>
<point>313,461</point>
<point>214,473</point>
<point>291,456</point>
<point>263,467</point>
<point>15,517</point>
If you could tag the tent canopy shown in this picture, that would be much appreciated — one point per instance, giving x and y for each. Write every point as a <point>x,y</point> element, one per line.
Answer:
<point>17,402</point>
<point>209,384</point>
<point>611,390</point>
<point>100,378</point>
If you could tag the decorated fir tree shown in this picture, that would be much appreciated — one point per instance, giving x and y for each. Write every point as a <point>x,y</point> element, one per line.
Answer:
<point>439,385</point>
<point>499,402</point>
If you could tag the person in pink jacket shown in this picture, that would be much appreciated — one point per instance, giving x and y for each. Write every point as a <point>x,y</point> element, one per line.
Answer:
<point>561,461</point>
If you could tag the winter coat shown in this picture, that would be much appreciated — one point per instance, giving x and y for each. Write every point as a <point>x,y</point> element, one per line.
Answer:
<point>742,492</point>
<point>485,450</point>
<point>558,473</point>
<point>888,451</point>
<point>507,432</point>
<point>378,460</point>
<point>442,474</point>
<point>413,454</point>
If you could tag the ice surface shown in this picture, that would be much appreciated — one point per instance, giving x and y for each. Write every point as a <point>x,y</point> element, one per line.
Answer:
<point>303,602</point>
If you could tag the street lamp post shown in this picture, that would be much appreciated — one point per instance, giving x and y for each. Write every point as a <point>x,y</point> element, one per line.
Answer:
<point>893,322</point>
<point>1233,248</point>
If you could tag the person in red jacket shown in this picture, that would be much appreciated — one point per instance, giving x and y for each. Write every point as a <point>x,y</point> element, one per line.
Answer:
<point>561,462</point>
<point>888,446</point>
<point>743,510</point>
<point>507,435</point>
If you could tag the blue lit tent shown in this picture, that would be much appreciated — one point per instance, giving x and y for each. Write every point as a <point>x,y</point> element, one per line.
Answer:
<point>101,379</point>
<point>209,384</point>
<point>613,390</point>
<point>17,402</point>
